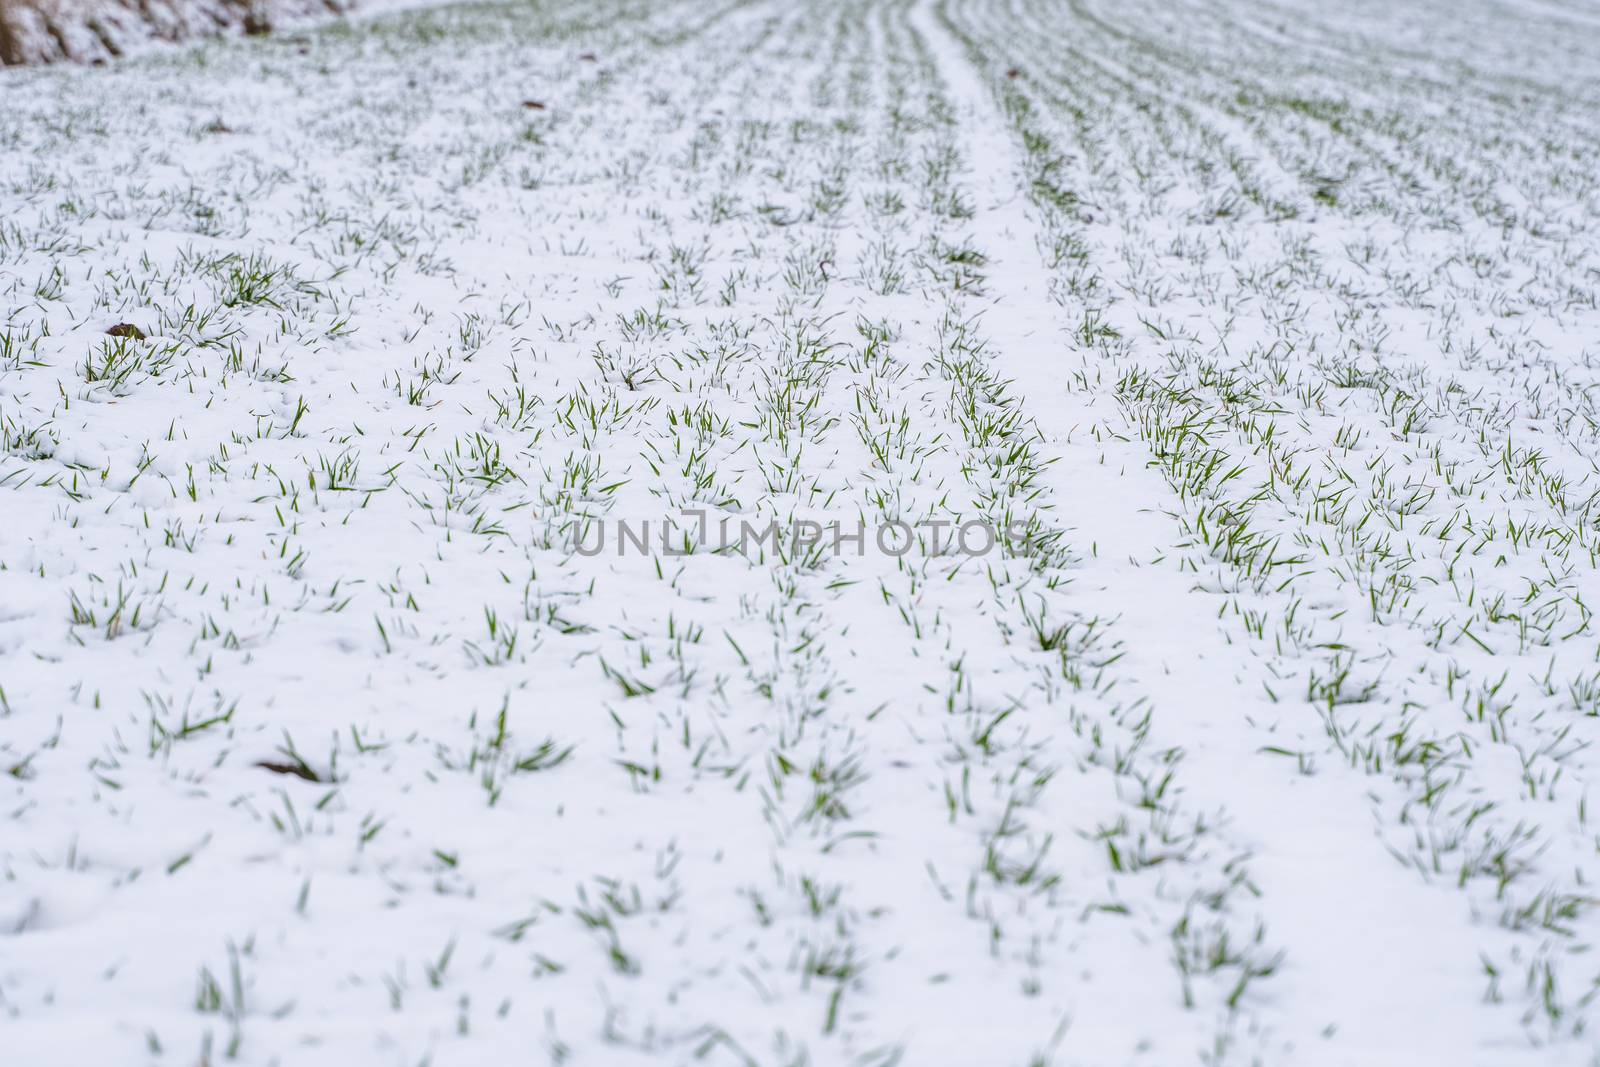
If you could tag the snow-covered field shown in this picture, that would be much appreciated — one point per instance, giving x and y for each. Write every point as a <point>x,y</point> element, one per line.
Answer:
<point>1231,365</point>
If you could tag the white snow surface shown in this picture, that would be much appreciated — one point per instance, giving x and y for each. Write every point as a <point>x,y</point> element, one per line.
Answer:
<point>1263,332</point>
<point>97,31</point>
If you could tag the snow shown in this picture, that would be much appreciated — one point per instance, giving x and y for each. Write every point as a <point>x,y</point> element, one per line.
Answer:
<point>96,31</point>
<point>1260,335</point>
